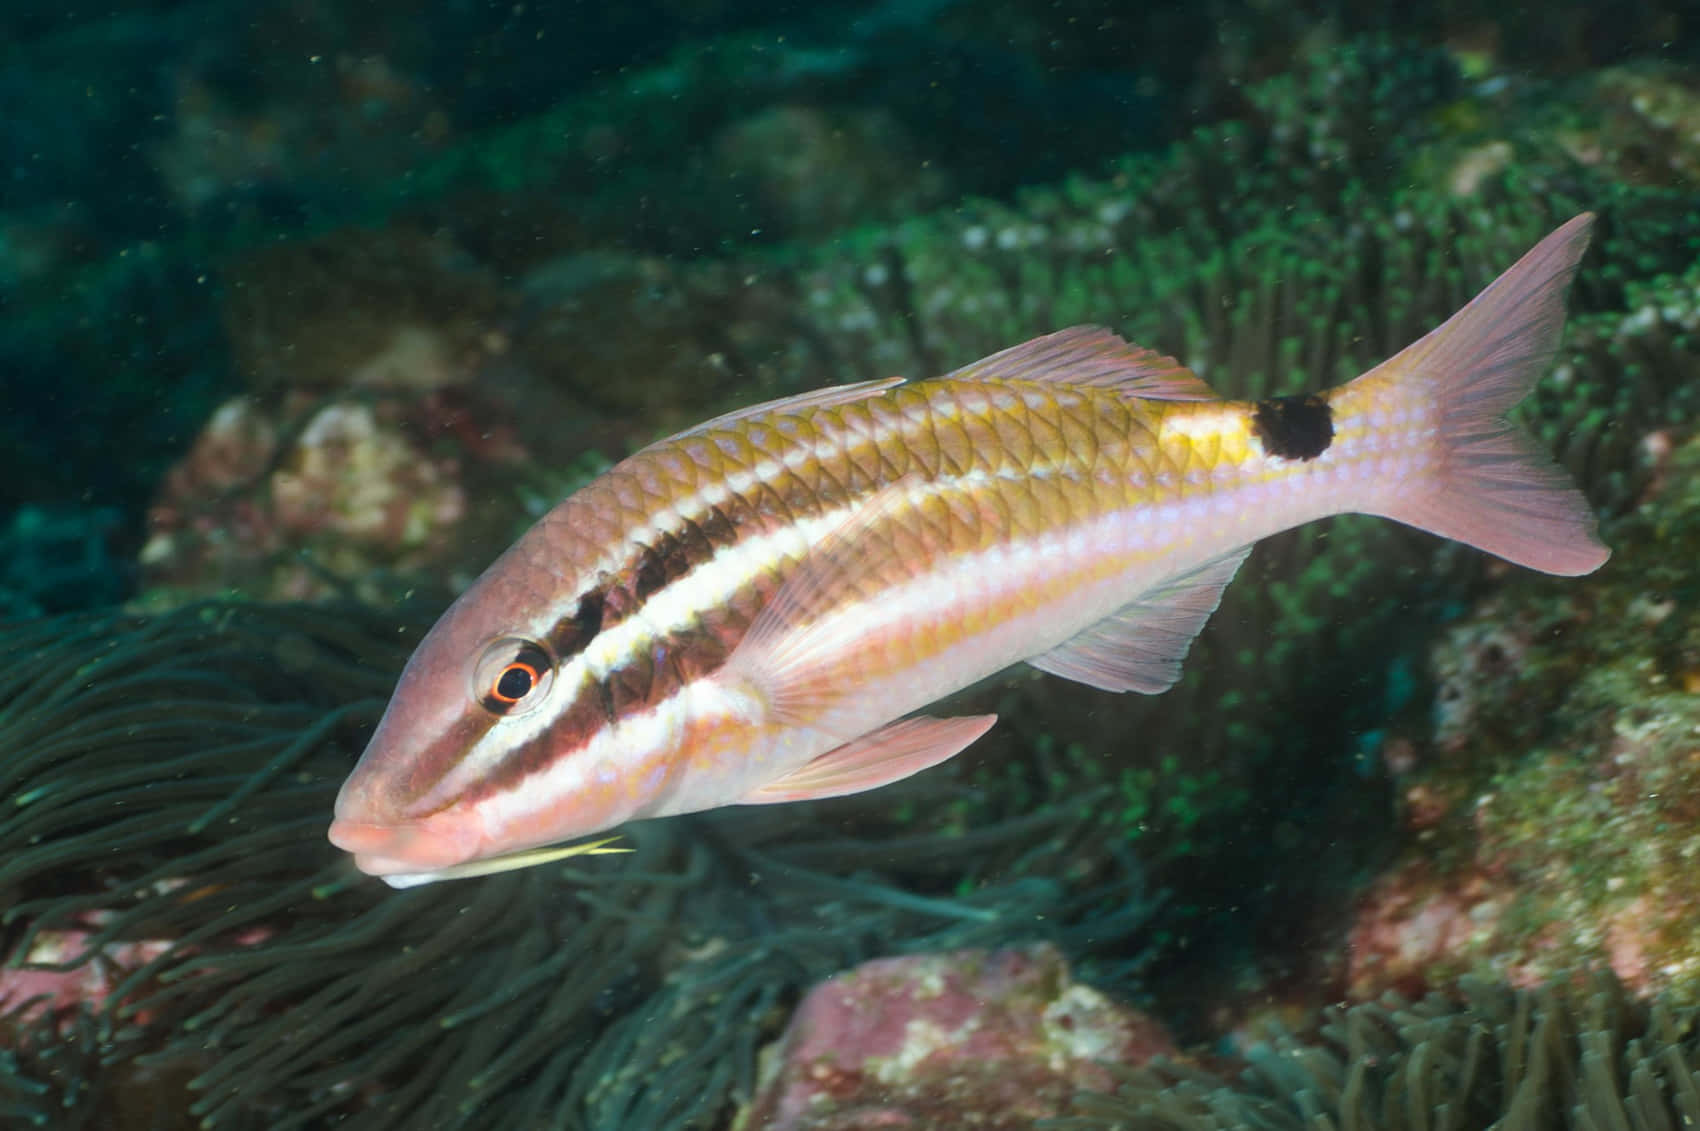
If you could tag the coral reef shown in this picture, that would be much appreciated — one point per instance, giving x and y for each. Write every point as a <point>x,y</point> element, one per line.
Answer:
<point>635,345</point>
<point>1627,388</point>
<point>332,495</point>
<point>940,1041</point>
<point>161,153</point>
<point>162,864</point>
<point>814,170</point>
<point>1567,1058</point>
<point>369,309</point>
<point>1646,125</point>
<point>182,137</point>
<point>1550,797</point>
<point>408,416</point>
<point>1293,248</point>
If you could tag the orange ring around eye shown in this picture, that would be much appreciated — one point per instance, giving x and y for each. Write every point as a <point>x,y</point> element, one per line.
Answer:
<point>532,674</point>
<point>527,668</point>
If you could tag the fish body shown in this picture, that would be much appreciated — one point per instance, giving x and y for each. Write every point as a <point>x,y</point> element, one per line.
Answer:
<point>750,611</point>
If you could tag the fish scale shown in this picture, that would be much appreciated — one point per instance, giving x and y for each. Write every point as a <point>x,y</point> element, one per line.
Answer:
<point>748,612</point>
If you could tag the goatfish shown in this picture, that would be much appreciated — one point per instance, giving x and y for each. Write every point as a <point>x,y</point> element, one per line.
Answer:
<point>751,611</point>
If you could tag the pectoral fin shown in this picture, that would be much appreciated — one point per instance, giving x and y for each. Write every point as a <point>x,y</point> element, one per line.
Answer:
<point>795,654</point>
<point>1140,647</point>
<point>889,754</point>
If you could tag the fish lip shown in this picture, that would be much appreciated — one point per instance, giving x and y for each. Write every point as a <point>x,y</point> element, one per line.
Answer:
<point>395,847</point>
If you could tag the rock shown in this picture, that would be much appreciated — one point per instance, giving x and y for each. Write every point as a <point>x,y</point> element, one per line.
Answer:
<point>940,1042</point>
<point>304,498</point>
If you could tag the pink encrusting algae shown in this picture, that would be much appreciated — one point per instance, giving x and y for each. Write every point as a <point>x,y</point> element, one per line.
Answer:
<point>747,612</point>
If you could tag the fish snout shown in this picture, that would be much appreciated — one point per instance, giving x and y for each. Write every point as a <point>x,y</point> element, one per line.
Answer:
<point>386,848</point>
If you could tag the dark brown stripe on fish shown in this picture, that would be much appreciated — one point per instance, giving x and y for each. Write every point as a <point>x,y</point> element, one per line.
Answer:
<point>651,572</point>
<point>653,675</point>
<point>603,694</point>
<point>650,568</point>
<point>573,633</point>
<point>583,717</point>
<point>1294,427</point>
<point>433,763</point>
<point>657,668</point>
<point>638,685</point>
<point>670,558</point>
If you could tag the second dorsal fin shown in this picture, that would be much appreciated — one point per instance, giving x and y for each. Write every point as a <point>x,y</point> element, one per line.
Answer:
<point>1092,356</point>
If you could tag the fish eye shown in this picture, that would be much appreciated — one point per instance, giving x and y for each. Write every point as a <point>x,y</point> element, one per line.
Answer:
<point>512,676</point>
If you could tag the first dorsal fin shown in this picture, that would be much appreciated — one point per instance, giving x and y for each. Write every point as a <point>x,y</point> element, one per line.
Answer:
<point>1094,357</point>
<point>800,402</point>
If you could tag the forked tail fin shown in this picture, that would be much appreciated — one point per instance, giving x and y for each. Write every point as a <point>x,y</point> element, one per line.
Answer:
<point>1494,488</point>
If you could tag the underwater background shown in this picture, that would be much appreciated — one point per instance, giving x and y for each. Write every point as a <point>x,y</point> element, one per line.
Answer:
<point>308,309</point>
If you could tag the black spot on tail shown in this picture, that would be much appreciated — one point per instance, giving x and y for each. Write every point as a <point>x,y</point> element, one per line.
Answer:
<point>1294,427</point>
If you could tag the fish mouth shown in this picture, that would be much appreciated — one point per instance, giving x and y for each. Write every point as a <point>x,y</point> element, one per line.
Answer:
<point>408,854</point>
<point>410,847</point>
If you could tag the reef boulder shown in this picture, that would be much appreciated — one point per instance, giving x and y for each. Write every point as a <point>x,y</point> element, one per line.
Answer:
<point>988,1039</point>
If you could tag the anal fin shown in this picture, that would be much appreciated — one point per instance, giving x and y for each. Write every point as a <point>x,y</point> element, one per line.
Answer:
<point>1140,646</point>
<point>881,757</point>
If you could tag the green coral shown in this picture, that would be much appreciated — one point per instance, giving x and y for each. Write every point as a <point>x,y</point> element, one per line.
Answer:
<point>1574,1058</point>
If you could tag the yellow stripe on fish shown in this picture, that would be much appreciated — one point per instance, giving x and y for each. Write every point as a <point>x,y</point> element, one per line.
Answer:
<point>749,611</point>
